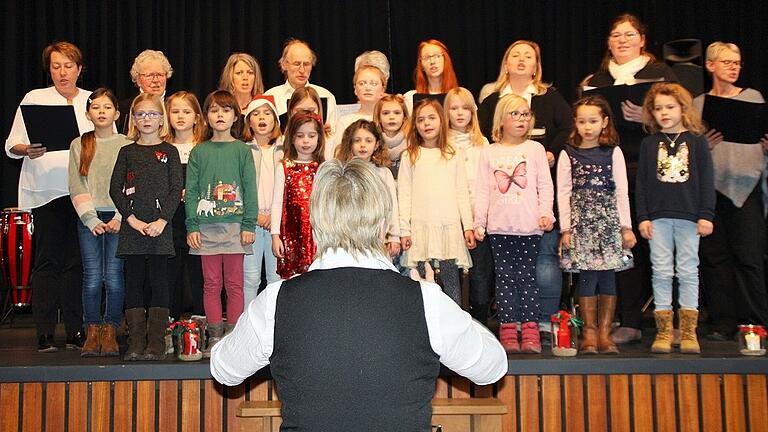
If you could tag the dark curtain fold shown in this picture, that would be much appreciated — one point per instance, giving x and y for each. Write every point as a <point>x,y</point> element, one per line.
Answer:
<point>197,36</point>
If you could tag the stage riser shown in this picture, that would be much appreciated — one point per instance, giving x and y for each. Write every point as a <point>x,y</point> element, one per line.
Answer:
<point>731,403</point>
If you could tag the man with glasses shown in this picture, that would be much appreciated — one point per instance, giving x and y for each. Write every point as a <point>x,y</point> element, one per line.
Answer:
<point>150,72</point>
<point>297,62</point>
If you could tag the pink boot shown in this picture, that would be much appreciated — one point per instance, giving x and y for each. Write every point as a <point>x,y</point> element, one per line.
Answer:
<point>531,342</point>
<point>508,337</point>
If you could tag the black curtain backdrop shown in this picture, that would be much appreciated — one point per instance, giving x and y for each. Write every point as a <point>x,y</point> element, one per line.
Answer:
<point>198,36</point>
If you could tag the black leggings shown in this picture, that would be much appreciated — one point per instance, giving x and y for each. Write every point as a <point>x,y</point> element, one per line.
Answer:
<point>150,268</point>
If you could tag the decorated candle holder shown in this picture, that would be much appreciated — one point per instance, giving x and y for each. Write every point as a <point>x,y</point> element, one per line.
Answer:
<point>565,334</point>
<point>187,336</point>
<point>752,339</point>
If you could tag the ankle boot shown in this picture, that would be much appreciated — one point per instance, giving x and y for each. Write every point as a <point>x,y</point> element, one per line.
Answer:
<point>531,341</point>
<point>215,333</point>
<point>663,342</point>
<point>137,334</point>
<point>606,308</point>
<point>158,321</point>
<point>92,346</point>
<point>508,337</point>
<point>588,311</point>
<point>689,343</point>
<point>109,347</point>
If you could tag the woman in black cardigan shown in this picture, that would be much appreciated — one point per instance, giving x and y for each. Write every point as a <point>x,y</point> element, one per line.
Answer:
<point>520,74</point>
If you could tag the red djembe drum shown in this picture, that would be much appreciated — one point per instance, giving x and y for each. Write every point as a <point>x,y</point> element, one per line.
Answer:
<point>16,229</point>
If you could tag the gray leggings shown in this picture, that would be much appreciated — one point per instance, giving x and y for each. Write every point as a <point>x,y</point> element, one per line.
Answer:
<point>450,277</point>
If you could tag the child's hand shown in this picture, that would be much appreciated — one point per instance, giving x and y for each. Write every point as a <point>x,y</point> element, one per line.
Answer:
<point>264,220</point>
<point>193,240</point>
<point>113,226</point>
<point>393,248</point>
<point>551,159</point>
<point>154,229</point>
<point>480,233</point>
<point>646,229</point>
<point>632,112</point>
<point>405,241</point>
<point>565,241</point>
<point>546,223</point>
<point>628,240</point>
<point>469,239</point>
<point>277,246</point>
<point>247,238</point>
<point>704,227</point>
<point>137,224</point>
<point>714,138</point>
<point>99,229</point>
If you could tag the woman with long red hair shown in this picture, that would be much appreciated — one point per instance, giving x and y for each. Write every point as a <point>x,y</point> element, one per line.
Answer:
<point>434,73</point>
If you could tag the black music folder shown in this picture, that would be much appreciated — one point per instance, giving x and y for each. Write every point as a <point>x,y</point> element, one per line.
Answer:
<point>53,126</point>
<point>418,97</point>
<point>738,121</point>
<point>617,94</point>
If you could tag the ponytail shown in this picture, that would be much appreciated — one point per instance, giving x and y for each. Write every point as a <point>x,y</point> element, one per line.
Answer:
<point>87,150</point>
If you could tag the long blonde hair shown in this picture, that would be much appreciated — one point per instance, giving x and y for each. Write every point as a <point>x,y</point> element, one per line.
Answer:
<point>536,80</point>
<point>464,95</point>
<point>133,131</point>
<point>691,119</point>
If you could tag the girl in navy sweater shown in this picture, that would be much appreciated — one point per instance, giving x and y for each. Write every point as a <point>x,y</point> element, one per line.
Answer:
<point>675,197</point>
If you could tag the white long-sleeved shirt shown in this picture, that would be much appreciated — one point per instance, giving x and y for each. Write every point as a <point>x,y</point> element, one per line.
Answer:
<point>462,344</point>
<point>44,179</point>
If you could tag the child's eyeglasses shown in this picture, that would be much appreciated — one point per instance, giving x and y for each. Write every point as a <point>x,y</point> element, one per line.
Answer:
<point>517,115</point>
<point>152,115</point>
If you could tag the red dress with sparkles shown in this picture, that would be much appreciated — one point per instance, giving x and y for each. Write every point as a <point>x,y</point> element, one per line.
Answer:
<point>295,230</point>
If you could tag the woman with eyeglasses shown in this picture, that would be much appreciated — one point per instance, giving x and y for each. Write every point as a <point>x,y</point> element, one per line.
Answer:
<point>150,73</point>
<point>56,273</point>
<point>520,74</point>
<point>626,62</point>
<point>732,272</point>
<point>433,73</point>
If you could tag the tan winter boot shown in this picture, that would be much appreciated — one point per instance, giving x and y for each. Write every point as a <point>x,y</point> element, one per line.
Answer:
<point>109,347</point>
<point>689,318</point>
<point>215,333</point>
<point>92,347</point>
<point>606,308</point>
<point>662,344</point>
<point>588,311</point>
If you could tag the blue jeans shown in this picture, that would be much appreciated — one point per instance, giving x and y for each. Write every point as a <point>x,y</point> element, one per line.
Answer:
<point>675,252</point>
<point>262,247</point>
<point>101,268</point>
<point>549,277</point>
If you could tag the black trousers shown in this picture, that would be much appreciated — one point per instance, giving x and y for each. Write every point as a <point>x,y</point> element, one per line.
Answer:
<point>185,272</point>
<point>57,272</point>
<point>732,268</point>
<point>152,269</point>
<point>633,286</point>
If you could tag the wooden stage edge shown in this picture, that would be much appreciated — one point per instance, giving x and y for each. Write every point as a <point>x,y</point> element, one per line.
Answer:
<point>598,393</point>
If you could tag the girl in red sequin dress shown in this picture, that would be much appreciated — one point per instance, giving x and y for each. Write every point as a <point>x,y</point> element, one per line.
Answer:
<point>292,241</point>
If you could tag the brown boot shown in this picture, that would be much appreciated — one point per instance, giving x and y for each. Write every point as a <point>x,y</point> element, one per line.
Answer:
<point>663,342</point>
<point>137,334</point>
<point>109,347</point>
<point>689,343</point>
<point>92,347</point>
<point>158,321</point>
<point>588,311</point>
<point>606,308</point>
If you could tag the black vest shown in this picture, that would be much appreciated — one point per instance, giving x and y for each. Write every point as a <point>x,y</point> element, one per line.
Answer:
<point>352,352</point>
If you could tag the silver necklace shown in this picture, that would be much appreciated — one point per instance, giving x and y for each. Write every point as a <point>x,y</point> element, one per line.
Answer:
<point>672,141</point>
